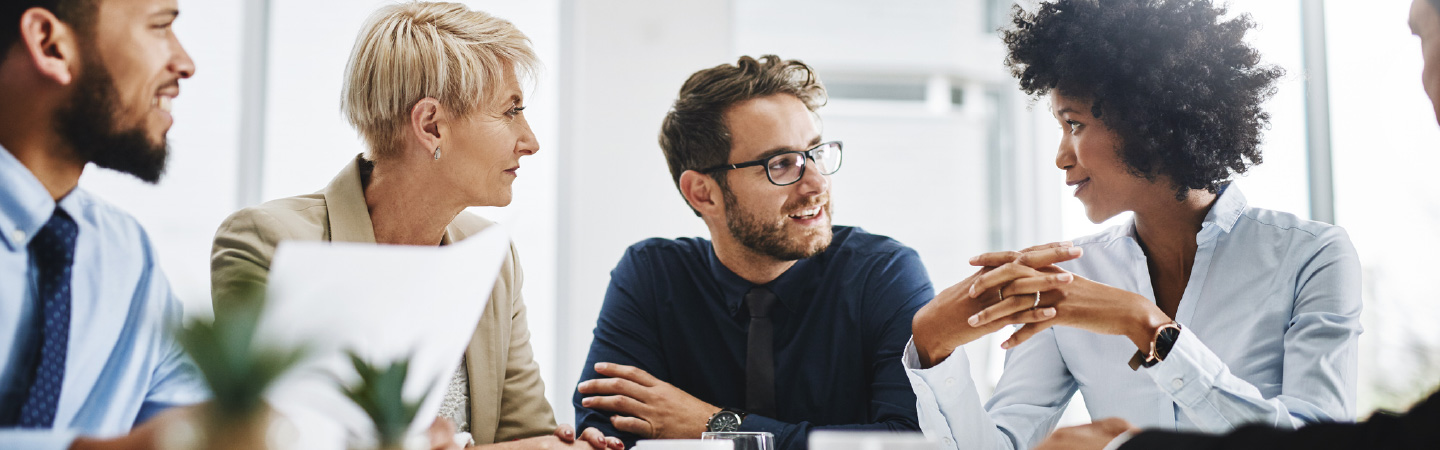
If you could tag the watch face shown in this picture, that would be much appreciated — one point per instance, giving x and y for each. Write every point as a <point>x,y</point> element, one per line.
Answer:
<point>725,421</point>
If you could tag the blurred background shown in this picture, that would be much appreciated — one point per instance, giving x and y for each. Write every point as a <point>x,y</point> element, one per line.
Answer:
<point>942,151</point>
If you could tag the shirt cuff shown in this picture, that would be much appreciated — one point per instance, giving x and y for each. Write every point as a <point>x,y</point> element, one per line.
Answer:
<point>1119,441</point>
<point>943,374</point>
<point>37,439</point>
<point>1188,373</point>
<point>754,423</point>
<point>946,377</point>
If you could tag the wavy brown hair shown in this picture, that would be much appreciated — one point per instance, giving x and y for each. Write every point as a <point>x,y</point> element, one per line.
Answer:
<point>694,136</point>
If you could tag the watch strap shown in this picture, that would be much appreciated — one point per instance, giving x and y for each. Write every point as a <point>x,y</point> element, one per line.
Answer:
<point>1160,346</point>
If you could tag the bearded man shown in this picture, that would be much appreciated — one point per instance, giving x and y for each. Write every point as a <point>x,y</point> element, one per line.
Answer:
<point>86,352</point>
<point>780,322</point>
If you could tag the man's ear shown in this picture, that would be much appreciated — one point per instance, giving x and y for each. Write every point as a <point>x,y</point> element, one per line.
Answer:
<point>425,119</point>
<point>51,45</point>
<point>703,193</point>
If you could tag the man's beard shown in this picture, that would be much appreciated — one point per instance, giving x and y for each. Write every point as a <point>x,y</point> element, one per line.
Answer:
<point>88,124</point>
<point>769,237</point>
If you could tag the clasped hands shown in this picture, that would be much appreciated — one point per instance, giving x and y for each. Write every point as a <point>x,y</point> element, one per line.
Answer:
<point>1004,292</point>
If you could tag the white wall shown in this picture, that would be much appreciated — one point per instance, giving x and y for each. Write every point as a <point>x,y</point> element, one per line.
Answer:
<point>1386,141</point>
<point>624,63</point>
<point>181,212</point>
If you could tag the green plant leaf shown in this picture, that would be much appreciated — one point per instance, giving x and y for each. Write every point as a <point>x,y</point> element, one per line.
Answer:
<point>380,393</point>
<point>237,373</point>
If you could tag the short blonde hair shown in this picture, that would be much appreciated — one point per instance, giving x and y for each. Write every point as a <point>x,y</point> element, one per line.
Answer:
<point>410,51</point>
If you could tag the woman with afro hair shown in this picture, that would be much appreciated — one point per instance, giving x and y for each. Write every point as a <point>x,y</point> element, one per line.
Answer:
<point>1227,314</point>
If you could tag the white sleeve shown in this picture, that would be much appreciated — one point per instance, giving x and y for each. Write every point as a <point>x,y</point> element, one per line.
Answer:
<point>1027,404</point>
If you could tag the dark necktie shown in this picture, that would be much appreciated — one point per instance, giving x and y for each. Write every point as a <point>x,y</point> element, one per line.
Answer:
<point>760,354</point>
<point>53,251</point>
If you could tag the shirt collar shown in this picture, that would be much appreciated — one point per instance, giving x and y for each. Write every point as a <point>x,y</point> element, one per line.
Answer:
<point>789,287</point>
<point>1223,216</point>
<point>25,204</point>
<point>1228,208</point>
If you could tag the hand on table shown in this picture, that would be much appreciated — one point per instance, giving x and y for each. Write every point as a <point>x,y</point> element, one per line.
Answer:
<point>644,405</point>
<point>442,435</point>
<point>594,437</point>
<point>940,326</point>
<point>562,438</point>
<point>1094,436</point>
<point>150,435</point>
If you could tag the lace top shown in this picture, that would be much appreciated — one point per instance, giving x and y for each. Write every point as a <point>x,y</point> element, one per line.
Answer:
<point>456,406</point>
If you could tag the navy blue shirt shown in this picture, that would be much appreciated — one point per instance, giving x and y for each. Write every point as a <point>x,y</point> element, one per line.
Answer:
<point>841,325</point>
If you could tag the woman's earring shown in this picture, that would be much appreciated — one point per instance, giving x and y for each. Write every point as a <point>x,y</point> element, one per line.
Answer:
<point>437,153</point>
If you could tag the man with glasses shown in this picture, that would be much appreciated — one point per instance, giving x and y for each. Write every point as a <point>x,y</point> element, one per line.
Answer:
<point>780,323</point>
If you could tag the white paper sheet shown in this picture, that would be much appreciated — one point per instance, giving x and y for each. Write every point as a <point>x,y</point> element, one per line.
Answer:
<point>385,303</point>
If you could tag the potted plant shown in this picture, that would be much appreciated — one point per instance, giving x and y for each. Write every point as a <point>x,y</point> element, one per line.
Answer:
<point>380,392</point>
<point>238,374</point>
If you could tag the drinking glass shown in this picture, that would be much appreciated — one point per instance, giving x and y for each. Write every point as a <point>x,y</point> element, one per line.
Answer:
<point>744,440</point>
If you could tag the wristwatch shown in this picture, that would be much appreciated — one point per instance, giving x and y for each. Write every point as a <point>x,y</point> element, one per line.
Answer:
<point>728,419</point>
<point>1160,347</point>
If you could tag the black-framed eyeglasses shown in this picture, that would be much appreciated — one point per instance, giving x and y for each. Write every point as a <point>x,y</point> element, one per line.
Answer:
<point>784,169</point>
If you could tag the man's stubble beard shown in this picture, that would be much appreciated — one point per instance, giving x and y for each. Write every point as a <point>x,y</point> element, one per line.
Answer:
<point>770,238</point>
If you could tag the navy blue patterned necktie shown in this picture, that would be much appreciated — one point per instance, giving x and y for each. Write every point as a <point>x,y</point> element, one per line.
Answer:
<point>53,251</point>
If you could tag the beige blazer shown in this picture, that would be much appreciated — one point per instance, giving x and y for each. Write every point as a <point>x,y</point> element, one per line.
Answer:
<point>507,397</point>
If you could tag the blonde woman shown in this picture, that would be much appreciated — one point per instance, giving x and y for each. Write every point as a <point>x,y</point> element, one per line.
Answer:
<point>433,88</point>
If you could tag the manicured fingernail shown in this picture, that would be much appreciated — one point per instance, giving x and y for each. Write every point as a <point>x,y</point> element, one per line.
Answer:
<point>973,259</point>
<point>1065,277</point>
<point>1005,345</point>
<point>585,401</point>
<point>972,291</point>
<point>1047,312</point>
<point>569,433</point>
<point>974,320</point>
<point>601,366</point>
<point>1074,251</point>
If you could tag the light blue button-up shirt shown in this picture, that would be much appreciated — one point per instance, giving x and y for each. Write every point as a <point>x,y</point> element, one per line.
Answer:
<point>122,364</point>
<point>1271,326</point>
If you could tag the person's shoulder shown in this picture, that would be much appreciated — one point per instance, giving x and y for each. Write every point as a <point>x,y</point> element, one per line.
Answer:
<point>856,242</point>
<point>128,259</point>
<point>308,208</point>
<point>1269,219</point>
<point>1299,236</point>
<point>664,251</point>
<point>115,226</point>
<point>291,217</point>
<point>659,258</point>
<point>662,255</point>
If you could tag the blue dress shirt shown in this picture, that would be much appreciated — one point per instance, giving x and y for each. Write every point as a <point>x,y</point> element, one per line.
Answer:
<point>1271,326</point>
<point>843,317</point>
<point>122,364</point>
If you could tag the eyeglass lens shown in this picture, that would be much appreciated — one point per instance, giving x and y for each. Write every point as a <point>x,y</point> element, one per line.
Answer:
<point>787,168</point>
